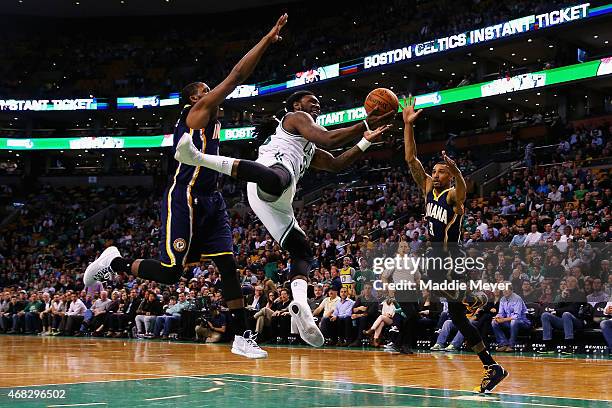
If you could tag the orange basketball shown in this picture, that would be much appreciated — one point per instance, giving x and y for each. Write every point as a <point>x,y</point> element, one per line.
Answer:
<point>384,99</point>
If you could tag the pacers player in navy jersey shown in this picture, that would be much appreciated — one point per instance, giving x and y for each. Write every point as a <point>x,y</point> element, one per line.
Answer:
<point>195,223</point>
<point>444,212</point>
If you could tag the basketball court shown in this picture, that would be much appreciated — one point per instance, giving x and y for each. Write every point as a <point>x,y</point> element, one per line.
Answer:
<point>130,373</point>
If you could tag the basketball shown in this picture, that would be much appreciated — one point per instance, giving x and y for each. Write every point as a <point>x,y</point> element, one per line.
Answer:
<point>383,98</point>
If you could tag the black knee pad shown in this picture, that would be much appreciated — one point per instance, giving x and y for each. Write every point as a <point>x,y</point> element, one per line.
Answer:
<point>230,278</point>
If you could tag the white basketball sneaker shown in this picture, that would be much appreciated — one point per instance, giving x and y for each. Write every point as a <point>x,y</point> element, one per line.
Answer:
<point>186,152</point>
<point>246,346</point>
<point>302,315</point>
<point>100,269</point>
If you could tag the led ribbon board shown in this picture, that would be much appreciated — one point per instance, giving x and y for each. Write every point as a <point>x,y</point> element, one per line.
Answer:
<point>482,90</point>
<point>52,104</point>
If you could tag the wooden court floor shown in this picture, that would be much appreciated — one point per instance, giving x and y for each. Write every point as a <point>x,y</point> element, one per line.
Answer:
<point>139,373</point>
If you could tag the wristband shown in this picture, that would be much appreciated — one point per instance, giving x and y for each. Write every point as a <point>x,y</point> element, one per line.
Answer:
<point>364,144</point>
<point>365,122</point>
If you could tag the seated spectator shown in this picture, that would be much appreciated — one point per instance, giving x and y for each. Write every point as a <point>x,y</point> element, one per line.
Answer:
<point>72,320</point>
<point>533,238</point>
<point>447,328</point>
<point>326,309</point>
<point>146,314</point>
<point>212,330</point>
<point>281,318</point>
<point>564,316</point>
<point>46,317</point>
<point>98,310</point>
<point>31,314</point>
<point>4,307</point>
<point>606,325</point>
<point>512,316</point>
<point>111,309</point>
<point>429,311</point>
<point>365,311</point>
<point>17,313</point>
<point>257,300</point>
<point>59,306</point>
<point>315,301</point>
<point>171,315</point>
<point>598,295</point>
<point>385,319</point>
<point>263,318</point>
<point>529,294</point>
<point>7,317</point>
<point>341,321</point>
<point>118,322</point>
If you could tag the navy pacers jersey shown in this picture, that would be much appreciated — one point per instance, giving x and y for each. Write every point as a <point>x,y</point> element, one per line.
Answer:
<point>193,212</point>
<point>199,179</point>
<point>444,223</point>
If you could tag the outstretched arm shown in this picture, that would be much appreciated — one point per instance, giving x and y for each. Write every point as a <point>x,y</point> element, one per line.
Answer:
<point>200,113</point>
<point>303,124</point>
<point>324,160</point>
<point>422,179</point>
<point>459,193</point>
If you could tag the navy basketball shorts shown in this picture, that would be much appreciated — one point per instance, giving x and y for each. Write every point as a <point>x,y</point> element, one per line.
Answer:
<point>194,226</point>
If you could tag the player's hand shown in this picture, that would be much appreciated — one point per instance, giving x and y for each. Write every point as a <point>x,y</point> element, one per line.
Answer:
<point>375,119</point>
<point>450,163</point>
<point>376,134</point>
<point>408,113</point>
<point>274,34</point>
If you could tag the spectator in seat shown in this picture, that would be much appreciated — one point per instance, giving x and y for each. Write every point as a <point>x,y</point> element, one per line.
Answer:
<point>257,300</point>
<point>342,322</point>
<point>17,313</point>
<point>529,294</point>
<point>606,325</point>
<point>564,316</point>
<point>4,307</point>
<point>59,306</point>
<point>281,318</point>
<point>46,317</point>
<point>98,309</point>
<point>171,315</point>
<point>211,331</point>
<point>31,314</point>
<point>326,310</point>
<point>365,311</point>
<point>146,314</point>
<point>385,319</point>
<point>73,318</point>
<point>7,316</point>
<point>263,318</point>
<point>315,301</point>
<point>127,315</point>
<point>512,316</point>
<point>598,295</point>
<point>533,238</point>
<point>429,310</point>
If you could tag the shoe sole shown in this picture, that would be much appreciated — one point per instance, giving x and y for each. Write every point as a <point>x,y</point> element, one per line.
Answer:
<point>311,335</point>
<point>247,355</point>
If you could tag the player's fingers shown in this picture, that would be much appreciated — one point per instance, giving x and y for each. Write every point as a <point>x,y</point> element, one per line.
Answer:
<point>417,113</point>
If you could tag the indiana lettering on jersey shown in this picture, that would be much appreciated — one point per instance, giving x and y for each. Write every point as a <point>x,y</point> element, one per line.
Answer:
<point>437,212</point>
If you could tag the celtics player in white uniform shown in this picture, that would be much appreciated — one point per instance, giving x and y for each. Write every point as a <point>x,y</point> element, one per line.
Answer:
<point>293,144</point>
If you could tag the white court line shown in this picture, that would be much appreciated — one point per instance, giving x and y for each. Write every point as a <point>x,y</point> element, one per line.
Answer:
<point>423,396</point>
<point>77,405</point>
<point>212,389</point>
<point>218,382</point>
<point>165,398</point>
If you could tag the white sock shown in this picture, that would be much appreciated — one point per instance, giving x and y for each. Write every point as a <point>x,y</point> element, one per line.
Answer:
<point>221,164</point>
<point>299,287</point>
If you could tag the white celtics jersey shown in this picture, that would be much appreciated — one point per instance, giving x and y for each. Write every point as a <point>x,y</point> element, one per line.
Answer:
<point>293,151</point>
